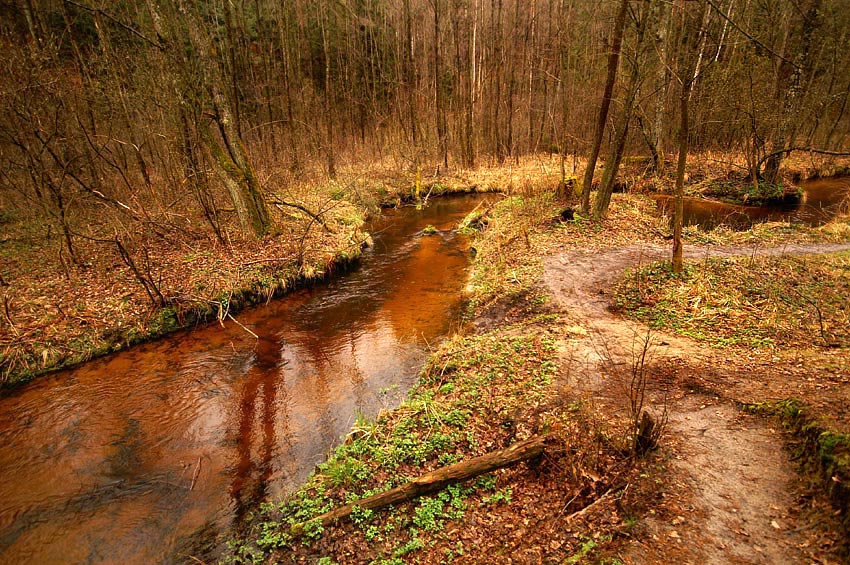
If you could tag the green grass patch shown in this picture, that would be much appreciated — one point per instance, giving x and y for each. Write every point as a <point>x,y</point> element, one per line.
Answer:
<point>749,302</point>
<point>487,376</point>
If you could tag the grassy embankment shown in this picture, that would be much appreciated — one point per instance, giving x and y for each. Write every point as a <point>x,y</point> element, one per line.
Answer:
<point>56,314</point>
<point>792,309</point>
<point>479,392</point>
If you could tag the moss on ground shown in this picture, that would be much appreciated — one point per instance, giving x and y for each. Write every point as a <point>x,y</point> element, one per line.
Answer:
<point>823,454</point>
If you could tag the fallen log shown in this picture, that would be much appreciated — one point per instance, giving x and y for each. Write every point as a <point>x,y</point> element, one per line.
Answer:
<point>433,481</point>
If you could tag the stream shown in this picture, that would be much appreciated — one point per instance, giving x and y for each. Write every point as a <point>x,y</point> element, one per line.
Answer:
<point>146,455</point>
<point>822,200</point>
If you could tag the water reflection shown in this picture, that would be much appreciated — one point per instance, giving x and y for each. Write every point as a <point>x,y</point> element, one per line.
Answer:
<point>138,456</point>
<point>822,200</point>
<point>257,401</point>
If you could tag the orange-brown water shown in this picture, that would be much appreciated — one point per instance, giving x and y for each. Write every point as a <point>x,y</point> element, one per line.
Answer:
<point>822,200</point>
<point>145,455</point>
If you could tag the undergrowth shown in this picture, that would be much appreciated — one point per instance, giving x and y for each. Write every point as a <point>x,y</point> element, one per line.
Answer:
<point>466,403</point>
<point>749,302</point>
<point>476,394</point>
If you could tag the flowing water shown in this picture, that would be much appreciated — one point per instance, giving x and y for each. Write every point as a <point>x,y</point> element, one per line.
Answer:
<point>135,457</point>
<point>822,200</point>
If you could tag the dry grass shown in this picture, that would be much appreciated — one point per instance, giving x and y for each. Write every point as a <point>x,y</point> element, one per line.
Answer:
<point>753,302</point>
<point>56,313</point>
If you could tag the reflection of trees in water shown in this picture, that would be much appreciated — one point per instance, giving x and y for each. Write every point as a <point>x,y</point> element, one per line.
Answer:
<point>340,339</point>
<point>124,461</point>
<point>822,200</point>
<point>259,395</point>
<point>318,382</point>
<point>355,375</point>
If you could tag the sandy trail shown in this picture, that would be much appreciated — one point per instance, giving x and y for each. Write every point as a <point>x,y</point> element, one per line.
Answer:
<point>728,465</point>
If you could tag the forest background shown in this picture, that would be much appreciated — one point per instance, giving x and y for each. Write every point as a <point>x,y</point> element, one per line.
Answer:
<point>155,156</point>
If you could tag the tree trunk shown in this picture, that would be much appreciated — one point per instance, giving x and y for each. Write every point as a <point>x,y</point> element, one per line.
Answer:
<point>442,137</point>
<point>678,208</point>
<point>330,150</point>
<point>410,71</point>
<point>615,154</point>
<point>229,155</point>
<point>613,61</point>
<point>612,164</point>
<point>434,481</point>
<point>497,74</point>
<point>662,84</point>
<point>793,90</point>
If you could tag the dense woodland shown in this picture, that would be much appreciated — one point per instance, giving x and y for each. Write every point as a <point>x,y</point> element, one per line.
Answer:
<point>168,163</point>
<point>153,110</point>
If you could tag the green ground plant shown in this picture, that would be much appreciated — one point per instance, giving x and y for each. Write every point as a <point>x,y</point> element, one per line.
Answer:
<point>745,301</point>
<point>472,395</point>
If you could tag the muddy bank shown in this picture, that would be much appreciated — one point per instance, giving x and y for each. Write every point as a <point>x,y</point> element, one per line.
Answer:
<point>821,452</point>
<point>716,503</point>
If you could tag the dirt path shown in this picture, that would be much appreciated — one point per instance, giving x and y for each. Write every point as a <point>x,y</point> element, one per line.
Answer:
<point>730,483</point>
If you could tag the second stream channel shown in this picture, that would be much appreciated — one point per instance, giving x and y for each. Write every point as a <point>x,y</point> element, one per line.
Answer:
<point>137,457</point>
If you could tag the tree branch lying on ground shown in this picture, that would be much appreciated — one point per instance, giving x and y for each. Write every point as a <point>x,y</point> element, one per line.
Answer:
<point>433,481</point>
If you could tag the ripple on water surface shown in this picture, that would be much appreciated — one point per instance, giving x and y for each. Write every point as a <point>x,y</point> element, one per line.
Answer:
<point>127,457</point>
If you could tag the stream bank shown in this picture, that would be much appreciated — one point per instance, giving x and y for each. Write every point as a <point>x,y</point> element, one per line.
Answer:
<point>589,484</point>
<point>57,315</point>
<point>587,500</point>
<point>153,453</point>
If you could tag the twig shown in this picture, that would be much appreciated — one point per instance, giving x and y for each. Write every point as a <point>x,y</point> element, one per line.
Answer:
<point>427,196</point>
<point>238,323</point>
<point>587,508</point>
<point>195,476</point>
<point>277,200</point>
<point>7,315</point>
<point>108,16</point>
<point>570,501</point>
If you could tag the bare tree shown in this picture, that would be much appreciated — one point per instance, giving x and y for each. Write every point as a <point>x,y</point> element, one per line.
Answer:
<point>611,79</point>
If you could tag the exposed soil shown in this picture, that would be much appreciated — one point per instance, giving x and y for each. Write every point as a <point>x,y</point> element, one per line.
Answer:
<point>730,494</point>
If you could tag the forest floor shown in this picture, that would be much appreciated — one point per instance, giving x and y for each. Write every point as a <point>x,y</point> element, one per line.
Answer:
<point>552,350</point>
<point>730,494</point>
<point>174,272</point>
<point>558,324</point>
<point>57,312</point>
